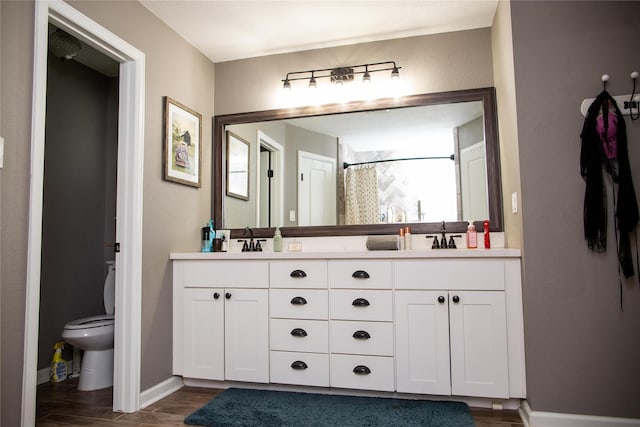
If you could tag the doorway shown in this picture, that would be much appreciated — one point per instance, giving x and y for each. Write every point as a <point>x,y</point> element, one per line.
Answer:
<point>270,182</point>
<point>126,392</point>
<point>79,200</point>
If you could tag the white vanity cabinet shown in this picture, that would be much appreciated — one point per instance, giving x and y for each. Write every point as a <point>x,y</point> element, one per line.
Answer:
<point>451,328</point>
<point>431,322</point>
<point>221,327</point>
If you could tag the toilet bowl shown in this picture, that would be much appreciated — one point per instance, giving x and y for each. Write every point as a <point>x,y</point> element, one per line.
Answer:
<point>94,335</point>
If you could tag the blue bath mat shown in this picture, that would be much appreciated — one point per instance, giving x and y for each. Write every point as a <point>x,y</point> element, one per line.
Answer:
<point>253,408</point>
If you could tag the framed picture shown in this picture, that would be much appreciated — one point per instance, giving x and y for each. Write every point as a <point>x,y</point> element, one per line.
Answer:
<point>237,167</point>
<point>182,151</point>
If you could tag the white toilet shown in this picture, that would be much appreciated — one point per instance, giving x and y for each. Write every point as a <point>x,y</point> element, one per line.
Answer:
<point>94,335</point>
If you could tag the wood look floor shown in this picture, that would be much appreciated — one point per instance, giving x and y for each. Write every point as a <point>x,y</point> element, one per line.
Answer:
<point>61,404</point>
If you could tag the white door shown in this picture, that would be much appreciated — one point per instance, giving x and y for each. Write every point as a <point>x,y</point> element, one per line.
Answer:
<point>316,189</point>
<point>247,335</point>
<point>422,342</point>
<point>203,333</point>
<point>479,364</point>
<point>473,176</point>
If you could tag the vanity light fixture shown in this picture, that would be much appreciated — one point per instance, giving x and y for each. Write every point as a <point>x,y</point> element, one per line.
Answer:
<point>341,75</point>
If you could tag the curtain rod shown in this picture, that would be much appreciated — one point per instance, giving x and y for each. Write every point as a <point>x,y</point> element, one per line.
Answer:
<point>346,165</point>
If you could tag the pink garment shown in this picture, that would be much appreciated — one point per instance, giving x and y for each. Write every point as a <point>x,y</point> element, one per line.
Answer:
<point>609,141</point>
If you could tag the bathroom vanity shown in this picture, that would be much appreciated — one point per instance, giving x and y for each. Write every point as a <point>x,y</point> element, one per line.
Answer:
<point>445,323</point>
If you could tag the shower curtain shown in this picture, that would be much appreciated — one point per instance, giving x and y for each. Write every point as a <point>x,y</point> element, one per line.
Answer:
<point>361,195</point>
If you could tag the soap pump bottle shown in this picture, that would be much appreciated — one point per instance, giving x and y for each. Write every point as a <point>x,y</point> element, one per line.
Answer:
<point>472,237</point>
<point>277,240</point>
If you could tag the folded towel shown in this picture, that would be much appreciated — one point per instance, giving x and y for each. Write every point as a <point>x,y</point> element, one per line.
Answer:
<point>382,243</point>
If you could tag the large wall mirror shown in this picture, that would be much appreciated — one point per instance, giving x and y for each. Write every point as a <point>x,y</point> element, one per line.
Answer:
<point>366,167</point>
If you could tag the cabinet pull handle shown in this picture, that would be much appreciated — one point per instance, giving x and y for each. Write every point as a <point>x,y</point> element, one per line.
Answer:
<point>360,274</point>
<point>299,364</point>
<point>298,274</point>
<point>361,370</point>
<point>441,299</point>
<point>361,335</point>
<point>227,295</point>
<point>360,302</point>
<point>216,295</point>
<point>456,298</point>
<point>298,301</point>
<point>299,332</point>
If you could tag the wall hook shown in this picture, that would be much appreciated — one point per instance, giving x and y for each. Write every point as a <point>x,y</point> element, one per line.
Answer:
<point>632,102</point>
<point>605,79</point>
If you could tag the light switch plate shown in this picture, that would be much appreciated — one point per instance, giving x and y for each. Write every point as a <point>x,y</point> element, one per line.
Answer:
<point>292,215</point>
<point>514,202</point>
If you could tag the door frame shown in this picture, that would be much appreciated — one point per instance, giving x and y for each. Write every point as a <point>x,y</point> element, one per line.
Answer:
<point>129,202</point>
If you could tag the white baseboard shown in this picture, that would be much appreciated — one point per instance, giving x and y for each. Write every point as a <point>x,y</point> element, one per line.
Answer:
<point>159,391</point>
<point>554,419</point>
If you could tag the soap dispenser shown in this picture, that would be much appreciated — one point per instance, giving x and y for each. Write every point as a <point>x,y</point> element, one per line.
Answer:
<point>277,241</point>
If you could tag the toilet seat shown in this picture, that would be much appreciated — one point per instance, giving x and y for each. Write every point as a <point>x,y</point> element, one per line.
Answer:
<point>90,322</point>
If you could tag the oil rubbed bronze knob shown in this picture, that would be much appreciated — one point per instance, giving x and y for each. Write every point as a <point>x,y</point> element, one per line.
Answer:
<point>456,298</point>
<point>216,295</point>
<point>441,299</point>
<point>227,295</point>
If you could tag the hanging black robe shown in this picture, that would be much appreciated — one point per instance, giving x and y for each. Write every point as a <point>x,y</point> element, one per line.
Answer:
<point>592,160</point>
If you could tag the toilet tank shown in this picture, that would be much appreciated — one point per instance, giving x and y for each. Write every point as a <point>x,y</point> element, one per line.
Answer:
<point>110,288</point>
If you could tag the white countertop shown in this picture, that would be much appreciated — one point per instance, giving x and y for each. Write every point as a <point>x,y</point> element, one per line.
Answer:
<point>410,254</point>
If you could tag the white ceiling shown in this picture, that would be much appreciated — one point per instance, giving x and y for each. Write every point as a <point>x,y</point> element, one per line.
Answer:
<point>230,30</point>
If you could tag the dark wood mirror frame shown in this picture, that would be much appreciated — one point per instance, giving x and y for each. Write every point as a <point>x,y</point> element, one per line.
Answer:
<point>486,95</point>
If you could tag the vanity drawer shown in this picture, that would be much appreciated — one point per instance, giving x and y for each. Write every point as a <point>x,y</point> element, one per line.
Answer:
<point>298,274</point>
<point>299,303</point>
<point>456,274</point>
<point>368,338</point>
<point>299,335</point>
<point>360,274</point>
<point>207,273</point>
<point>362,372</point>
<point>365,304</point>
<point>310,369</point>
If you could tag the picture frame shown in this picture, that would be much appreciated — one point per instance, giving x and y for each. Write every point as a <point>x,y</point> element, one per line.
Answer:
<point>237,167</point>
<point>182,146</point>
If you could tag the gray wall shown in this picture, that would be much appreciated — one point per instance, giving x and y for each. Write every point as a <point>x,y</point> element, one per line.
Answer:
<point>79,150</point>
<point>582,351</point>
<point>174,69</point>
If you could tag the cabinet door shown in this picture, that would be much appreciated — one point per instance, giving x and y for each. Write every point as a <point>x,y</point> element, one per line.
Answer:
<point>203,333</point>
<point>247,335</point>
<point>479,365</point>
<point>422,342</point>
